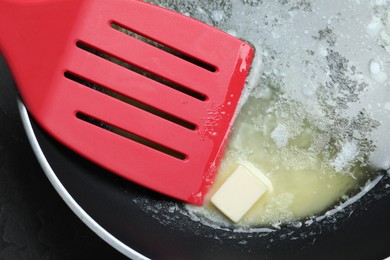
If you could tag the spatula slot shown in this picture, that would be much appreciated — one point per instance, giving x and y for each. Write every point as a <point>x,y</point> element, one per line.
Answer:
<point>126,30</point>
<point>102,89</point>
<point>138,70</point>
<point>130,136</point>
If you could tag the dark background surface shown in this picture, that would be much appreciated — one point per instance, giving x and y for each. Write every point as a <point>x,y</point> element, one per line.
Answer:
<point>35,223</point>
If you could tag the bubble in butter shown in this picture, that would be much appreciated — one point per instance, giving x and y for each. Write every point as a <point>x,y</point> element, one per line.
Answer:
<point>244,187</point>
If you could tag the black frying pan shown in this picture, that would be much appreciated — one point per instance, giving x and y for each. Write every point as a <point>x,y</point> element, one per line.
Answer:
<point>113,207</point>
<point>362,231</point>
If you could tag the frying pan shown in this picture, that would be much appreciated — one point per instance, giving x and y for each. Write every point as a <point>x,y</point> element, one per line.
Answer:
<point>110,207</point>
<point>142,224</point>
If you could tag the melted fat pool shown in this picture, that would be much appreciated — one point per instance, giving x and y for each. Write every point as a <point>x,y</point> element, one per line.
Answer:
<point>304,182</point>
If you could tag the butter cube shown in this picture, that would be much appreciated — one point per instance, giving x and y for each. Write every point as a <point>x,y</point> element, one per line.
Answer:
<point>241,191</point>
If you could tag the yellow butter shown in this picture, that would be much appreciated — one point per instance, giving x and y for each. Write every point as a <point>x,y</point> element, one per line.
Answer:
<point>244,187</point>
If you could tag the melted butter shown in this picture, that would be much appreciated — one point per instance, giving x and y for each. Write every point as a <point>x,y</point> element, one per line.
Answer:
<point>284,145</point>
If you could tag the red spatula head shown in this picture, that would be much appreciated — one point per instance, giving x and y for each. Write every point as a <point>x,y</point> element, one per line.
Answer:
<point>144,92</point>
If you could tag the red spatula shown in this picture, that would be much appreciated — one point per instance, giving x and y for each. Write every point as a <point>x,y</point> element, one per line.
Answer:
<point>142,91</point>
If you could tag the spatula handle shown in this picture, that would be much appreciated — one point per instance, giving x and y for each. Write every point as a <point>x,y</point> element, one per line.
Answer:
<point>29,40</point>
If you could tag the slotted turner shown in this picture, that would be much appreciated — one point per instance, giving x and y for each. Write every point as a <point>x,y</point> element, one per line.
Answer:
<point>142,91</point>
